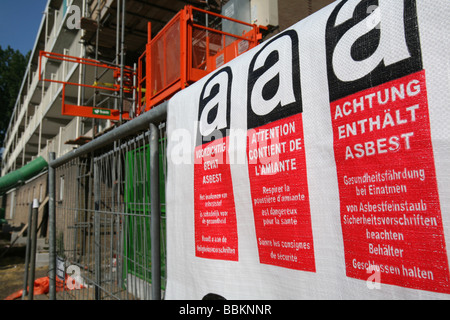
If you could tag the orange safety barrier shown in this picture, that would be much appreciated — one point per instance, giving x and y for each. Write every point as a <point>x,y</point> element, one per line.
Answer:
<point>41,286</point>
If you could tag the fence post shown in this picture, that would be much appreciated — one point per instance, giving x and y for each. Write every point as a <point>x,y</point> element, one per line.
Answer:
<point>33,249</point>
<point>155,222</point>
<point>52,228</point>
<point>27,253</point>
<point>97,240</point>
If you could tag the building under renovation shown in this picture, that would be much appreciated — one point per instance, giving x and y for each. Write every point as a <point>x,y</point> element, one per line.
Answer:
<point>234,150</point>
<point>96,65</point>
<point>114,33</point>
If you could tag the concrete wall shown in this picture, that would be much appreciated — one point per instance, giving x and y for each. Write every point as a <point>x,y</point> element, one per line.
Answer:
<point>24,195</point>
<point>292,11</point>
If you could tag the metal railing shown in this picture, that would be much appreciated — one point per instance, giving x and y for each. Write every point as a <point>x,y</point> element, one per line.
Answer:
<point>107,214</point>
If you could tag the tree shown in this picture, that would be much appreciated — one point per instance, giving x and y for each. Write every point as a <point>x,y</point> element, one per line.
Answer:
<point>13,65</point>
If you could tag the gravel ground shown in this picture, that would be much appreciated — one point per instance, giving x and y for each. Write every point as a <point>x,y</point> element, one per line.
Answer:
<point>12,266</point>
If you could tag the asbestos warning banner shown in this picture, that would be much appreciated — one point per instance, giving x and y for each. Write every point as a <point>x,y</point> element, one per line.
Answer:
<point>215,215</point>
<point>276,159</point>
<point>316,165</point>
<point>389,201</point>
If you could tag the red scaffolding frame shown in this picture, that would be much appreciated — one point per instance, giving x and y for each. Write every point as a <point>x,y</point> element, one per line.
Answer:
<point>86,111</point>
<point>184,51</point>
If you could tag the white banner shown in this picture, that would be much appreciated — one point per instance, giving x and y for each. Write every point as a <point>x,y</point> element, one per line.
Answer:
<point>316,165</point>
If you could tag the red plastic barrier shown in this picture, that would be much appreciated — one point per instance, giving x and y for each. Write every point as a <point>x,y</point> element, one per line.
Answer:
<point>41,286</point>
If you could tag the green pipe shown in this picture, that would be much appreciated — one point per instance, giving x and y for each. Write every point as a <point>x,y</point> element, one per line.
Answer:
<point>21,175</point>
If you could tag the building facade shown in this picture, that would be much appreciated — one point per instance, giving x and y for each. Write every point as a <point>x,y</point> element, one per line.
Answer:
<point>91,29</point>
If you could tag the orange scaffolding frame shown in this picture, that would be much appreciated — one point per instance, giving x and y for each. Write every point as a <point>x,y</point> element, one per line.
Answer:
<point>86,111</point>
<point>180,42</point>
<point>183,52</point>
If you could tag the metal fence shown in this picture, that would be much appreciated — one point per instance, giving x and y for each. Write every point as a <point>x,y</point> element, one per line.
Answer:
<point>107,214</point>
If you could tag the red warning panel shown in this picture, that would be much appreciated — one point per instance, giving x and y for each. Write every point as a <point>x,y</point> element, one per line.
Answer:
<point>276,156</point>
<point>279,189</point>
<point>214,209</point>
<point>389,202</point>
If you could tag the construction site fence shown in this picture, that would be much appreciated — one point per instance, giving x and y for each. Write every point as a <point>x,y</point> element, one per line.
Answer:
<point>107,214</point>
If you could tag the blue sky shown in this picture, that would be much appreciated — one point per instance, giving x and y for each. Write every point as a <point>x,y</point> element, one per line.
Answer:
<point>19,23</point>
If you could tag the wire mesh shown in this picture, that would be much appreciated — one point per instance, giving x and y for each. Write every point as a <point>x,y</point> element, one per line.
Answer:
<point>103,235</point>
<point>165,62</point>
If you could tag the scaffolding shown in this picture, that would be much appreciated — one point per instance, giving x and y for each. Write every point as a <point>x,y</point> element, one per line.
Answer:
<point>106,198</point>
<point>104,89</point>
<point>193,44</point>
